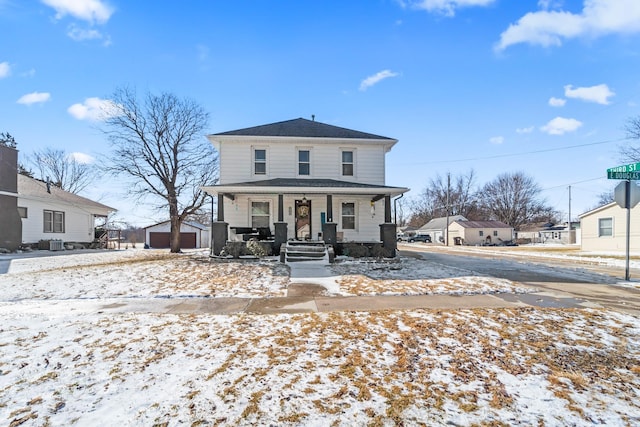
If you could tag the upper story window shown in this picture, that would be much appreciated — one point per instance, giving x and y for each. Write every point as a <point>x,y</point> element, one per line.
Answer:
<point>347,163</point>
<point>304,162</point>
<point>260,161</point>
<point>605,227</point>
<point>53,222</point>
<point>22,211</point>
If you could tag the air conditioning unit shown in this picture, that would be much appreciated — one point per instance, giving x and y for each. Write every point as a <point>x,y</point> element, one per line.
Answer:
<point>56,245</point>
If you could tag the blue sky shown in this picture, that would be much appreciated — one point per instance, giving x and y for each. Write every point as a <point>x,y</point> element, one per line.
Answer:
<point>543,87</point>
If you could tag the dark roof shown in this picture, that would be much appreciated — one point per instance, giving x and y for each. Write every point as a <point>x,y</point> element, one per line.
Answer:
<point>483,224</point>
<point>297,182</point>
<point>303,128</point>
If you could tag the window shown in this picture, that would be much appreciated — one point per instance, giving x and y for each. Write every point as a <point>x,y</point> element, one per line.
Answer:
<point>259,214</point>
<point>347,163</point>
<point>481,233</point>
<point>260,162</point>
<point>348,216</point>
<point>495,233</point>
<point>304,162</point>
<point>605,227</point>
<point>22,212</point>
<point>53,222</point>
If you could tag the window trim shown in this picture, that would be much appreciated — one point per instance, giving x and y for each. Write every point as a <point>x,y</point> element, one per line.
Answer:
<point>49,225</point>
<point>600,228</point>
<point>251,215</point>
<point>355,215</point>
<point>255,161</point>
<point>300,163</point>
<point>352,163</point>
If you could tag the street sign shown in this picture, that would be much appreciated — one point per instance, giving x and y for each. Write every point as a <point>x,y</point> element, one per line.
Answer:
<point>630,172</point>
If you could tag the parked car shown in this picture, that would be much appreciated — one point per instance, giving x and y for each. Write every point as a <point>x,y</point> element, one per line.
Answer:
<point>424,239</point>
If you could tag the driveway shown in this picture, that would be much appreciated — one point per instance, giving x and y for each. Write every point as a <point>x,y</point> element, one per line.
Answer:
<point>560,282</point>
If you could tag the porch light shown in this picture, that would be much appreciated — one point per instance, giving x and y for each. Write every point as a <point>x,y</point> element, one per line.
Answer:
<point>304,199</point>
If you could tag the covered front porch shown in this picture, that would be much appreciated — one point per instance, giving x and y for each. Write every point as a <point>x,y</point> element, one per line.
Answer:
<point>281,210</point>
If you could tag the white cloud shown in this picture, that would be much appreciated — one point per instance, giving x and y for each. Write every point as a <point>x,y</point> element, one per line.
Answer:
<point>560,126</point>
<point>376,78</point>
<point>550,28</point>
<point>94,109</point>
<point>91,11</point>
<point>34,98</point>
<point>525,130</point>
<point>599,93</point>
<point>5,69</point>
<point>496,140</point>
<point>79,34</point>
<point>445,7</point>
<point>30,73</point>
<point>557,102</point>
<point>82,158</point>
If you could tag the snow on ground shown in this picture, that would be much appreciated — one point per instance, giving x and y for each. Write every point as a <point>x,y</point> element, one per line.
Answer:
<point>515,366</point>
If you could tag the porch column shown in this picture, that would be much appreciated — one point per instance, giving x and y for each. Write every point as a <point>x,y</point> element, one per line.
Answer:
<point>329,208</point>
<point>387,209</point>
<point>329,228</point>
<point>280,227</point>
<point>220,207</point>
<point>388,230</point>
<point>219,230</point>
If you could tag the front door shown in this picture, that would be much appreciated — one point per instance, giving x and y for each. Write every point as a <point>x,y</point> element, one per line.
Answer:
<point>303,219</point>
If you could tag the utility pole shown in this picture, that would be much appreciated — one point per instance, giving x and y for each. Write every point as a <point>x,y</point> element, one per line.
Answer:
<point>570,234</point>
<point>446,230</point>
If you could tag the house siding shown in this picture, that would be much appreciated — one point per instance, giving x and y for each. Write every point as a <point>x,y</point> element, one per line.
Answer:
<point>236,160</point>
<point>78,224</point>
<point>591,241</point>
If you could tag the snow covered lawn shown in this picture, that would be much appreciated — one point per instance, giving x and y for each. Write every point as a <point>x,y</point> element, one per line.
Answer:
<point>516,366</point>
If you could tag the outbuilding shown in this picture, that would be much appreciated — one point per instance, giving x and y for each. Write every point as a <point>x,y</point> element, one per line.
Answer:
<point>193,235</point>
<point>479,233</point>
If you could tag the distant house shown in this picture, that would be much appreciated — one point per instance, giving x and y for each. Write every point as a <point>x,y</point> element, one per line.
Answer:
<point>193,235</point>
<point>436,228</point>
<point>605,229</point>
<point>549,233</point>
<point>50,213</point>
<point>479,232</point>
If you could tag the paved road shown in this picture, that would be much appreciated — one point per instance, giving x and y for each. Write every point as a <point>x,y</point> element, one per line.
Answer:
<point>561,282</point>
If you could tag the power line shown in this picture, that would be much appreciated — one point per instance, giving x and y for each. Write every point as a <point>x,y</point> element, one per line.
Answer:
<point>498,156</point>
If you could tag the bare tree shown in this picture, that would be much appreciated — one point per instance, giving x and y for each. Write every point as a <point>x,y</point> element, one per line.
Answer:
<point>629,152</point>
<point>7,140</point>
<point>457,193</point>
<point>515,200</point>
<point>158,143</point>
<point>63,169</point>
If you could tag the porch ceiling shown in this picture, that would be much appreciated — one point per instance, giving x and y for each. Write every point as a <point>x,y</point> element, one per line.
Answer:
<point>306,186</point>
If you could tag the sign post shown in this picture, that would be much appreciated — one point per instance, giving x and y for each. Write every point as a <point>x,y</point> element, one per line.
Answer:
<point>626,195</point>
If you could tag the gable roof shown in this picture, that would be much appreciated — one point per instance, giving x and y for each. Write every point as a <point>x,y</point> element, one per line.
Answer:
<point>441,223</point>
<point>30,188</point>
<point>193,224</point>
<point>483,224</point>
<point>303,128</point>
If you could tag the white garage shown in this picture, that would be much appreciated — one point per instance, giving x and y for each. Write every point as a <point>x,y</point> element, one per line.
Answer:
<point>192,235</point>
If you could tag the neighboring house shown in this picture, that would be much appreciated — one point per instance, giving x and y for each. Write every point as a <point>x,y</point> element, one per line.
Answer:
<point>303,180</point>
<point>193,235</point>
<point>549,233</point>
<point>605,229</point>
<point>50,213</point>
<point>436,228</point>
<point>479,232</point>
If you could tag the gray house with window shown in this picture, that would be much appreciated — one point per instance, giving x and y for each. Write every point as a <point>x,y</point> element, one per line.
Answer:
<point>302,180</point>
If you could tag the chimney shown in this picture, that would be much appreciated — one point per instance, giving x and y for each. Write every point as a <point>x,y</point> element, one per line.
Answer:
<point>313,117</point>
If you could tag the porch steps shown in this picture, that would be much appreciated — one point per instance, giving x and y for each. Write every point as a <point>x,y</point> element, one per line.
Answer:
<point>316,252</point>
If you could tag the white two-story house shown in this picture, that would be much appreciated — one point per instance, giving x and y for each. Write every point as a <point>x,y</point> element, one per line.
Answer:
<point>303,180</point>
